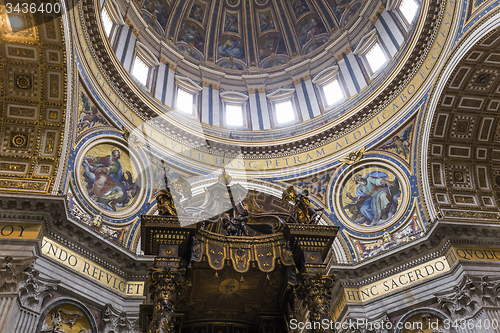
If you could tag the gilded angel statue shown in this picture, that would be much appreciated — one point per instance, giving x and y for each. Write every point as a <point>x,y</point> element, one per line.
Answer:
<point>303,212</point>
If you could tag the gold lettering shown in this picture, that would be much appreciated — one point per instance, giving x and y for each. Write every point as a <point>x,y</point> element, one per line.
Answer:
<point>80,264</point>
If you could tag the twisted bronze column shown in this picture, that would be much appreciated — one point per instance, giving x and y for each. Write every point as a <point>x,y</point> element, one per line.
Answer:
<point>164,289</point>
<point>317,288</point>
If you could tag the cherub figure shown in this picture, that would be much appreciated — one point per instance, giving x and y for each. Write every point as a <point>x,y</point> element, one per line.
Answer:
<point>90,115</point>
<point>400,143</point>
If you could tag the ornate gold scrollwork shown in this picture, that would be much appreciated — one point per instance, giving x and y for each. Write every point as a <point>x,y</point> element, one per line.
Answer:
<point>317,293</point>
<point>164,289</point>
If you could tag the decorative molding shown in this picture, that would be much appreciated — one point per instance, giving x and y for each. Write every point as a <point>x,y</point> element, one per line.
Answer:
<point>469,297</point>
<point>69,232</point>
<point>187,83</point>
<point>368,325</point>
<point>147,54</point>
<point>35,289</point>
<point>115,321</point>
<point>12,274</point>
<point>281,94</point>
<point>17,276</point>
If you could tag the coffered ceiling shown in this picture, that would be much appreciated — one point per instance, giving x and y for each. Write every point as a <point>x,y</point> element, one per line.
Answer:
<point>32,101</point>
<point>464,148</point>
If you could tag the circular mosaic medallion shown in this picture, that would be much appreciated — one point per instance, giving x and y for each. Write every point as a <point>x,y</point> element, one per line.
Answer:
<point>233,3</point>
<point>108,176</point>
<point>371,195</point>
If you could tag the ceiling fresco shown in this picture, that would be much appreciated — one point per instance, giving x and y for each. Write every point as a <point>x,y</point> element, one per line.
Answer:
<point>237,34</point>
<point>384,166</point>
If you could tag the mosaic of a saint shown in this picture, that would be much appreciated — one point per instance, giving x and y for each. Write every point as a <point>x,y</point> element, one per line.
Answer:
<point>197,12</point>
<point>192,35</point>
<point>310,29</point>
<point>375,199</point>
<point>231,23</point>
<point>266,22</point>
<point>300,7</point>
<point>231,48</point>
<point>271,45</point>
<point>110,185</point>
<point>159,9</point>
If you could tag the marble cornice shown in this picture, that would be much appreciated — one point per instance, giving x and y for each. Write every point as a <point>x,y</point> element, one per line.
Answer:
<point>440,238</point>
<point>52,214</point>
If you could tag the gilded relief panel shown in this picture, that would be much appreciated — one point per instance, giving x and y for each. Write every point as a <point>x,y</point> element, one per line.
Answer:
<point>463,150</point>
<point>66,319</point>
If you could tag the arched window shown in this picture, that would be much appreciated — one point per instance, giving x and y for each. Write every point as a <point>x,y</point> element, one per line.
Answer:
<point>372,53</point>
<point>408,9</point>
<point>140,70</point>
<point>106,22</point>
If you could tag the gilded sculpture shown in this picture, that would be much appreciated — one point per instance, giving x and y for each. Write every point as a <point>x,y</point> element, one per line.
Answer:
<point>302,211</point>
<point>169,199</point>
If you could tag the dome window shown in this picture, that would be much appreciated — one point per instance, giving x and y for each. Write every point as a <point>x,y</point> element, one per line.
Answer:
<point>186,96</point>
<point>107,23</point>
<point>234,106</point>
<point>184,101</point>
<point>376,57</point>
<point>234,115</point>
<point>409,9</point>
<point>111,20</point>
<point>333,92</point>
<point>330,87</point>
<point>284,112</point>
<point>143,66</point>
<point>372,53</point>
<point>140,70</point>
<point>283,106</point>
